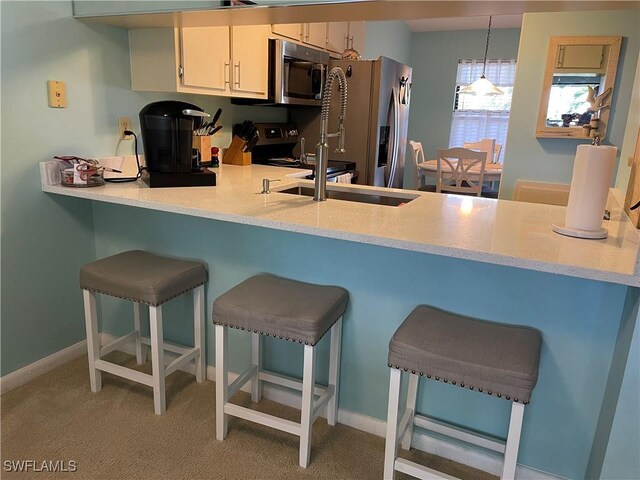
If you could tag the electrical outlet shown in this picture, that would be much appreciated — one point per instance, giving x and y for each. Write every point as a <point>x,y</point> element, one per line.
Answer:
<point>124,123</point>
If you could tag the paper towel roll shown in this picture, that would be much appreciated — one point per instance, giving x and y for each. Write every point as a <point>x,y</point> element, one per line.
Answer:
<point>590,183</point>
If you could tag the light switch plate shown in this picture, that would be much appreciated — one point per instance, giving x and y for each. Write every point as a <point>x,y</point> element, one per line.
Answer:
<point>57,94</point>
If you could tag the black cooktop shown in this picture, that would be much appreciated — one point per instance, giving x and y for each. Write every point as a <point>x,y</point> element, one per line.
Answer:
<point>334,166</point>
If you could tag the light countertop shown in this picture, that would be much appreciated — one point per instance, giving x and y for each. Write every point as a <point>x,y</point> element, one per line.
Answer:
<point>501,232</point>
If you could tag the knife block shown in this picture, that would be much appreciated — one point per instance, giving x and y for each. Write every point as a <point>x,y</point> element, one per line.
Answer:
<point>234,154</point>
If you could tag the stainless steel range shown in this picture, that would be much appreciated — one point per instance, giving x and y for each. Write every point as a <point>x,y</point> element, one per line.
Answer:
<point>276,144</point>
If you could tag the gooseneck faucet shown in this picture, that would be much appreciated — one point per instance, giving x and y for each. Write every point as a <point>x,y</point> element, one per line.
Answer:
<point>322,149</point>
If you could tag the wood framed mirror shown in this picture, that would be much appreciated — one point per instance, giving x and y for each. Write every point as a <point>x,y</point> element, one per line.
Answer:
<point>578,86</point>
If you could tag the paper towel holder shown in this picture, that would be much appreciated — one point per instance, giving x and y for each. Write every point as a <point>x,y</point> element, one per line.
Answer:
<point>577,233</point>
<point>589,190</point>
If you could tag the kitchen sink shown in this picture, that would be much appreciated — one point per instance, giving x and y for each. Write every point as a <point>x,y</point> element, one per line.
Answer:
<point>376,197</point>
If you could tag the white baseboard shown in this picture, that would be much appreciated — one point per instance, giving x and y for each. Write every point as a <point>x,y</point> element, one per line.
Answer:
<point>472,457</point>
<point>33,370</point>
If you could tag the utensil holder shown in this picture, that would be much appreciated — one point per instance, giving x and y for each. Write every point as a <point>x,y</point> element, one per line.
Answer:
<point>234,154</point>
<point>203,144</point>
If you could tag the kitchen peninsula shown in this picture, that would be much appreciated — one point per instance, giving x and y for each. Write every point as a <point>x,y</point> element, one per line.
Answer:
<point>496,260</point>
<point>506,233</point>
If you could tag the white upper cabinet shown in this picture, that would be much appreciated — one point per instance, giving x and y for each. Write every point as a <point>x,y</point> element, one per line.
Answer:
<point>289,30</point>
<point>250,60</point>
<point>315,34</point>
<point>202,65</point>
<point>343,35</point>
<point>357,31</point>
<point>337,34</point>
<point>309,33</point>
<point>334,37</point>
<point>226,61</point>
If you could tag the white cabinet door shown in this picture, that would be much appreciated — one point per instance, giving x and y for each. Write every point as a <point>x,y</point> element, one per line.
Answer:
<point>357,36</point>
<point>289,30</point>
<point>250,60</point>
<point>205,57</point>
<point>337,33</point>
<point>316,34</point>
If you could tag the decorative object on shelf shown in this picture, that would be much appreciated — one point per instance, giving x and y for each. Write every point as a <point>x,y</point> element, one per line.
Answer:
<point>350,54</point>
<point>597,102</point>
<point>592,170</point>
<point>482,86</point>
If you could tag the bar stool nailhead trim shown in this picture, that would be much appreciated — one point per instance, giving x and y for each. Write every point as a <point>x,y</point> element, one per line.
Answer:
<point>429,338</point>
<point>255,305</point>
<point>144,278</point>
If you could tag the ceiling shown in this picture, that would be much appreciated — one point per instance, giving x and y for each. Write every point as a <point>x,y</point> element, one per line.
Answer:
<point>464,23</point>
<point>435,12</point>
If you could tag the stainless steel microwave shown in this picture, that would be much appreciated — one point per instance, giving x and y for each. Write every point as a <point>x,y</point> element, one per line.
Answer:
<point>297,73</point>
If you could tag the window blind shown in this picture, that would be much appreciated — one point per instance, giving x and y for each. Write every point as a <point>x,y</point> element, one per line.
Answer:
<point>482,117</point>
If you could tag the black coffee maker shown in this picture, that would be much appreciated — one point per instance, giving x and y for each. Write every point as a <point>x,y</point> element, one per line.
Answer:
<point>167,137</point>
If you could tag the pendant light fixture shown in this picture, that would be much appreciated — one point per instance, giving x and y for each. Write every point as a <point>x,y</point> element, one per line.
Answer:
<point>482,86</point>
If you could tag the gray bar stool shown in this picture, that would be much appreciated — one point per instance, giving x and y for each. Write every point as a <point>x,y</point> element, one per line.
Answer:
<point>153,280</point>
<point>285,309</point>
<point>486,357</point>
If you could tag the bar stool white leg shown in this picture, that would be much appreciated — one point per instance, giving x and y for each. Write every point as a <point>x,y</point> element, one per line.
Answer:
<point>412,396</point>
<point>306,415</point>
<point>199,333</point>
<point>334,371</point>
<point>222,381</point>
<point>513,441</point>
<point>157,359</point>
<point>141,351</point>
<point>93,339</point>
<point>256,361</point>
<point>391,445</point>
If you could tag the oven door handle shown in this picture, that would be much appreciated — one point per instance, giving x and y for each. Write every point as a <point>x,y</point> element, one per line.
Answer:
<point>334,174</point>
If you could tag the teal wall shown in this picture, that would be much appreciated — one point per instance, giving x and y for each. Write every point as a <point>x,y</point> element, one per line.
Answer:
<point>46,239</point>
<point>388,39</point>
<point>630,134</point>
<point>551,160</point>
<point>579,320</point>
<point>622,461</point>
<point>434,57</point>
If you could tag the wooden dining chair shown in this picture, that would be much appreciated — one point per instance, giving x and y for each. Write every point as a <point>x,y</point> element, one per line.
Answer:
<point>455,172</point>
<point>488,145</point>
<point>417,154</point>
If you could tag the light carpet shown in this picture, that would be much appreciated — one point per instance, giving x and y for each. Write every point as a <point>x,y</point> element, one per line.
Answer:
<point>114,434</point>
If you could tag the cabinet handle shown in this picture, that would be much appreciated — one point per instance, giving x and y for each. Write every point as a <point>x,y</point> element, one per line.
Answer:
<point>237,79</point>
<point>227,72</point>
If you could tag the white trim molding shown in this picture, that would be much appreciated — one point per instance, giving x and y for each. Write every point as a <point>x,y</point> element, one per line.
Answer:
<point>33,370</point>
<point>473,457</point>
<point>482,460</point>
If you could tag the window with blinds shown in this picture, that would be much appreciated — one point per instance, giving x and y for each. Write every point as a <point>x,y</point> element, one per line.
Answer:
<point>477,117</point>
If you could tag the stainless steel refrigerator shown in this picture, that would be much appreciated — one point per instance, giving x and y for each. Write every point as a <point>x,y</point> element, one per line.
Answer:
<point>378,96</point>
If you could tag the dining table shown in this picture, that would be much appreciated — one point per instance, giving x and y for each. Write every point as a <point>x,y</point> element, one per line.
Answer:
<point>492,171</point>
